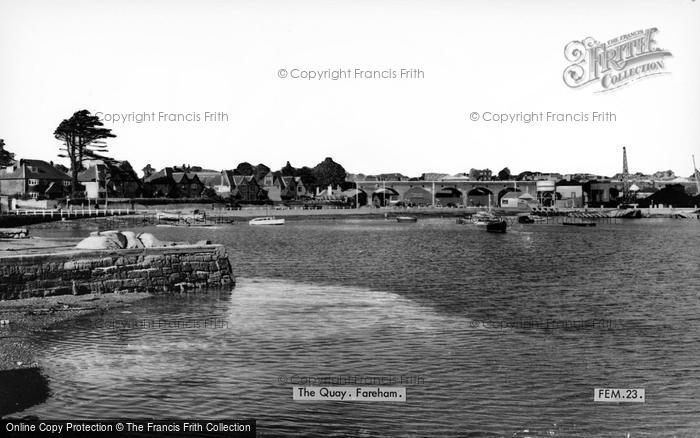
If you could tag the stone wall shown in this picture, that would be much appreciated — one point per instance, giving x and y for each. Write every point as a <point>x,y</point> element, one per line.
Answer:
<point>163,269</point>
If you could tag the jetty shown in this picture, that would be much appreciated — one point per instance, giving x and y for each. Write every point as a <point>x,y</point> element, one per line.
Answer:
<point>114,261</point>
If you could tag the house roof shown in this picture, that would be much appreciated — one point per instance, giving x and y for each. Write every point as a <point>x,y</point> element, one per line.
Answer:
<point>209,178</point>
<point>35,169</point>
<point>512,195</point>
<point>42,170</point>
<point>92,173</point>
<point>186,177</point>
<point>165,172</point>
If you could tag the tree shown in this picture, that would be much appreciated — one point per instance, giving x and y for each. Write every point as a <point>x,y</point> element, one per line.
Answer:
<point>6,158</point>
<point>328,172</point>
<point>307,176</point>
<point>504,174</point>
<point>245,169</point>
<point>525,176</point>
<point>81,135</point>
<point>148,170</point>
<point>288,170</point>
<point>260,171</point>
<point>480,174</point>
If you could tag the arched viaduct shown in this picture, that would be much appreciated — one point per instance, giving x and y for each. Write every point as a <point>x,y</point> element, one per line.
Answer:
<point>468,193</point>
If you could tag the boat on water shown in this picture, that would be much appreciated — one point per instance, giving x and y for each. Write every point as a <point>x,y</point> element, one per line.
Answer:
<point>530,219</point>
<point>179,217</point>
<point>269,220</point>
<point>580,224</point>
<point>406,219</point>
<point>186,225</point>
<point>483,218</point>
<point>498,226</point>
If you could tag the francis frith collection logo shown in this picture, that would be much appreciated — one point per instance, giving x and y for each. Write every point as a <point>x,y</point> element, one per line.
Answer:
<point>615,63</point>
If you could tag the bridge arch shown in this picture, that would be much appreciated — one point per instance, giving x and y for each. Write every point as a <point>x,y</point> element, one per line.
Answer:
<point>448,197</point>
<point>506,190</point>
<point>418,196</point>
<point>479,197</point>
<point>382,197</point>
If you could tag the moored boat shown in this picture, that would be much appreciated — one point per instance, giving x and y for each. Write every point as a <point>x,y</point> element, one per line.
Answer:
<point>179,217</point>
<point>406,219</point>
<point>269,220</point>
<point>483,218</point>
<point>580,224</point>
<point>498,226</point>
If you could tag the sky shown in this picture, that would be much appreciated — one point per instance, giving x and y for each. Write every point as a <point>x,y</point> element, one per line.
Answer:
<point>501,57</point>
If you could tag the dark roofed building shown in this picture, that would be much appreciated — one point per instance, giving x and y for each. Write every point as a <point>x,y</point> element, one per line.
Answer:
<point>35,179</point>
<point>188,184</point>
<point>110,178</point>
<point>160,184</point>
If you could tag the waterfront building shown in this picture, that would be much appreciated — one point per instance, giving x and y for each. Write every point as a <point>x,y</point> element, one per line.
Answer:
<point>34,179</point>
<point>432,176</point>
<point>517,199</point>
<point>188,184</point>
<point>569,194</point>
<point>106,178</point>
<point>241,187</point>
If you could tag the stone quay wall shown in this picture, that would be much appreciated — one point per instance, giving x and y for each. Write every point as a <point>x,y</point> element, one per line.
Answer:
<point>160,269</point>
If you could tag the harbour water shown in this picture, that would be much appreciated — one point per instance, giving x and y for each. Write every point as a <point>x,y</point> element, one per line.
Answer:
<point>492,335</point>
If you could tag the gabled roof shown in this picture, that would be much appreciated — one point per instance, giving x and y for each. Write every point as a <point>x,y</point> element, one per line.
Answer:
<point>227,177</point>
<point>180,177</point>
<point>42,170</point>
<point>240,179</point>
<point>185,178</point>
<point>166,172</point>
<point>512,195</point>
<point>209,178</point>
<point>287,180</point>
<point>92,173</point>
<point>35,169</point>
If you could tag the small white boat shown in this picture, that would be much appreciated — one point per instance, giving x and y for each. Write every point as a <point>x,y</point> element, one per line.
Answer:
<point>178,217</point>
<point>270,220</point>
<point>483,218</point>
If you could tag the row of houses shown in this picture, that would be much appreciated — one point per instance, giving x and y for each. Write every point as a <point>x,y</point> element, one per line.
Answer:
<point>104,178</point>
<point>175,182</point>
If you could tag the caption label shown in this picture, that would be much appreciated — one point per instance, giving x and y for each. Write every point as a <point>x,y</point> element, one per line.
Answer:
<point>625,395</point>
<point>349,393</point>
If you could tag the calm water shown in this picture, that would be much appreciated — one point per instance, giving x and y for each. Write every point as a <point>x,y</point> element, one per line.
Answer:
<point>424,302</point>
